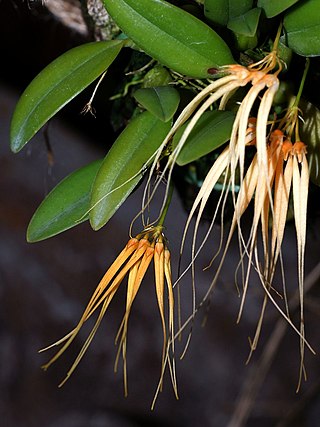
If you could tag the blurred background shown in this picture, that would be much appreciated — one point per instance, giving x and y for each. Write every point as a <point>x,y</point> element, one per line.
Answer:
<point>45,286</point>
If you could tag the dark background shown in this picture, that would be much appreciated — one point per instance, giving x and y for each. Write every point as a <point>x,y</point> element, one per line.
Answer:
<point>44,287</point>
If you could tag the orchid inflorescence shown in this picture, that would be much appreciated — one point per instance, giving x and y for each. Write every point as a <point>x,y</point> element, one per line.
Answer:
<point>134,261</point>
<point>280,163</point>
<point>265,179</point>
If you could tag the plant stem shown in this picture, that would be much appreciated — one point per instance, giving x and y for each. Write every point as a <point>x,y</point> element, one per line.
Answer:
<point>166,206</point>
<point>297,100</point>
<point>277,39</point>
<point>303,80</point>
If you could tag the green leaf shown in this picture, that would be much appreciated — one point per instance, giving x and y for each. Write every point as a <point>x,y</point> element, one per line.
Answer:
<point>124,165</point>
<point>275,7</point>
<point>310,135</point>
<point>243,43</point>
<point>221,11</point>
<point>246,24</point>
<point>302,25</point>
<point>56,85</point>
<point>172,36</point>
<point>65,206</point>
<point>239,7</point>
<point>217,11</point>
<point>212,130</point>
<point>157,76</point>
<point>161,101</point>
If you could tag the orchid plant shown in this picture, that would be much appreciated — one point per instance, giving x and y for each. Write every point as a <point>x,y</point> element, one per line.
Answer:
<point>242,66</point>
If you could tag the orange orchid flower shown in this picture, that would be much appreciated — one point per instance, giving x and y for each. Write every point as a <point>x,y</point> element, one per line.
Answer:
<point>134,260</point>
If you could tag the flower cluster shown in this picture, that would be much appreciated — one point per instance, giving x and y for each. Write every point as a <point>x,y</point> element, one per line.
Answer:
<point>278,165</point>
<point>134,261</point>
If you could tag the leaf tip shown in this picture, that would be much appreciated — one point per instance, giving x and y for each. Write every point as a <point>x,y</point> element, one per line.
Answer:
<point>95,223</point>
<point>15,142</point>
<point>31,237</point>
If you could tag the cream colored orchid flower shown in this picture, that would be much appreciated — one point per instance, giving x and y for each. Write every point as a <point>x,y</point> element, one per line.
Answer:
<point>277,166</point>
<point>287,168</point>
<point>244,132</point>
<point>134,260</point>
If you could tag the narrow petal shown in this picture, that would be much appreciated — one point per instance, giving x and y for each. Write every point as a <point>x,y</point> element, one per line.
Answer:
<point>262,119</point>
<point>300,200</point>
<point>262,191</point>
<point>214,174</point>
<point>124,325</point>
<point>115,266</point>
<point>281,201</point>
<point>90,337</point>
<point>140,250</point>
<point>136,276</point>
<point>130,247</point>
<point>102,295</point>
<point>167,270</point>
<point>159,279</point>
<point>171,338</point>
<point>239,130</point>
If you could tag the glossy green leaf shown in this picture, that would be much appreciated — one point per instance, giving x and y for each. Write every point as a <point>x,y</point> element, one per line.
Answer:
<point>274,7</point>
<point>302,26</point>
<point>217,11</point>
<point>124,165</point>
<point>65,206</point>
<point>157,76</point>
<point>243,43</point>
<point>310,135</point>
<point>56,85</point>
<point>212,130</point>
<point>222,11</point>
<point>161,101</point>
<point>172,36</point>
<point>239,7</point>
<point>247,23</point>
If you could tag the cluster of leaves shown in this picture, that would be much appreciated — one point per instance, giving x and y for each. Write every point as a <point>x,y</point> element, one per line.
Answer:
<point>187,42</point>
